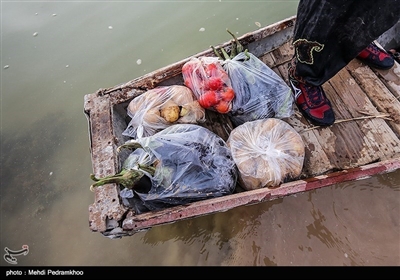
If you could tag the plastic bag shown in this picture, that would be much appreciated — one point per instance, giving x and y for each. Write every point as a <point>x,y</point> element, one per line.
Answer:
<point>259,92</point>
<point>267,152</point>
<point>161,107</point>
<point>209,82</point>
<point>182,163</point>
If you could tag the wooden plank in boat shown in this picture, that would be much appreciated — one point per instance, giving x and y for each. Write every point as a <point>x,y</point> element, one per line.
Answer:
<point>385,96</point>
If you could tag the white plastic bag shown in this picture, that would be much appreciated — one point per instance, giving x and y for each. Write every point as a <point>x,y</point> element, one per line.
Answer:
<point>209,82</point>
<point>259,92</point>
<point>161,107</point>
<point>267,152</point>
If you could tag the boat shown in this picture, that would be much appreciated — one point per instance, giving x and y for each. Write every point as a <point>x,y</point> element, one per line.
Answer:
<point>363,142</point>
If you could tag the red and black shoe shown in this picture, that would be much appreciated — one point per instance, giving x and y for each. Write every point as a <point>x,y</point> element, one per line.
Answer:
<point>375,57</point>
<point>312,102</point>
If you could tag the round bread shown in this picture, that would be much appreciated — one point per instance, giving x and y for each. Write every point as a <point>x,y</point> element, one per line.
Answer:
<point>267,152</point>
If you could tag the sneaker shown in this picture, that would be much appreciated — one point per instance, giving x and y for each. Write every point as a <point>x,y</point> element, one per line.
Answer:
<point>375,57</point>
<point>312,102</point>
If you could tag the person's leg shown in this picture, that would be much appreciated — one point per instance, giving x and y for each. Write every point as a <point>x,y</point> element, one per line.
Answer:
<point>328,34</point>
<point>313,31</point>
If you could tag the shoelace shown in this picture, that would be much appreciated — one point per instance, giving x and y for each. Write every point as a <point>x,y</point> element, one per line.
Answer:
<point>373,49</point>
<point>313,94</point>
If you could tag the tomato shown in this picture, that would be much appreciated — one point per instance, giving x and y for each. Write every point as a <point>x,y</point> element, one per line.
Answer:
<point>214,83</point>
<point>228,94</point>
<point>208,99</point>
<point>188,83</point>
<point>223,107</point>
<point>211,69</point>
<point>187,68</point>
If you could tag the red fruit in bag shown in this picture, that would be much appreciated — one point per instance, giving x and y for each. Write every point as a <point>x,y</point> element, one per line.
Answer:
<point>214,83</point>
<point>208,99</point>
<point>228,94</point>
<point>223,107</point>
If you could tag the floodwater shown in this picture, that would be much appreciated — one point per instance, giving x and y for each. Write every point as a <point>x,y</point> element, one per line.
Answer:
<point>55,52</point>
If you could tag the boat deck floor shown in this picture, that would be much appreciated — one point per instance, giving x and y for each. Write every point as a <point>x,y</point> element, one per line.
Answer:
<point>367,109</point>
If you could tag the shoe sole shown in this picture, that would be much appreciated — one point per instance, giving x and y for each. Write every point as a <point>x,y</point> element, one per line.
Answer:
<point>375,66</point>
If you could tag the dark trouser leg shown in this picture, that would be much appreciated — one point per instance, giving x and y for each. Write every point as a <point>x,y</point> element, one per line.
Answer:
<point>330,33</point>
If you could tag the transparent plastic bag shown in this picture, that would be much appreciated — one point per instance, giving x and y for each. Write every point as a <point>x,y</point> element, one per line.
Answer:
<point>161,107</point>
<point>209,82</point>
<point>180,164</point>
<point>259,92</point>
<point>267,152</point>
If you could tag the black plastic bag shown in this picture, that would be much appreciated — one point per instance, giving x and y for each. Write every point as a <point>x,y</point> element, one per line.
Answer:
<point>184,163</point>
